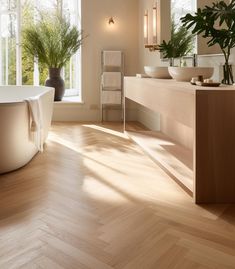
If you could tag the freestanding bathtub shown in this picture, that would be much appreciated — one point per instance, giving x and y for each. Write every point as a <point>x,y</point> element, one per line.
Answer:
<point>16,147</point>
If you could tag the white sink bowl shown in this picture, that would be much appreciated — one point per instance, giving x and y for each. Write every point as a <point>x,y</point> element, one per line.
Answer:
<point>187,73</point>
<point>157,72</point>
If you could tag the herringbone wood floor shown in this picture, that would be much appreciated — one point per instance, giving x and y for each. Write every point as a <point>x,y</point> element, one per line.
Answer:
<point>94,200</point>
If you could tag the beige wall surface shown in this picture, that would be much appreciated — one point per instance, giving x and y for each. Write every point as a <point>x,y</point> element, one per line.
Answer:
<point>121,36</point>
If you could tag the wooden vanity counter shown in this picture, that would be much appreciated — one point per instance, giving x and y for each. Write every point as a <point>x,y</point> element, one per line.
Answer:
<point>206,168</point>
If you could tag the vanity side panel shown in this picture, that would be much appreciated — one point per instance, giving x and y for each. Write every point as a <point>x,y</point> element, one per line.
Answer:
<point>215,146</point>
<point>167,97</point>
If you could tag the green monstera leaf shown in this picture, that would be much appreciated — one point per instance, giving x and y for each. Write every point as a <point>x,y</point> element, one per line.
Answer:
<point>216,22</point>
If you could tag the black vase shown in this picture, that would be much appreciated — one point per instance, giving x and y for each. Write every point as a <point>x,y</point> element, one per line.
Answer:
<point>228,74</point>
<point>55,81</point>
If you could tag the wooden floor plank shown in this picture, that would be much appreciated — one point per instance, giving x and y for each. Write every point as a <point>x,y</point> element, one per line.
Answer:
<point>94,200</point>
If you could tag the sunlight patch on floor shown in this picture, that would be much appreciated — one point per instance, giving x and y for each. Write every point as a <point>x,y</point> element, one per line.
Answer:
<point>102,192</point>
<point>115,162</point>
<point>64,142</point>
<point>106,130</point>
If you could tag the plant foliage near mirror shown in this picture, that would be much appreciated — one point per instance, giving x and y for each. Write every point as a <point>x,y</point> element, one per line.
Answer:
<point>52,41</point>
<point>180,44</point>
<point>206,21</point>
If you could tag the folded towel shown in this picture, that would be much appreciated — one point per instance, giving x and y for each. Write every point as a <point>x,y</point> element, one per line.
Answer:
<point>112,97</point>
<point>112,80</point>
<point>36,127</point>
<point>112,58</point>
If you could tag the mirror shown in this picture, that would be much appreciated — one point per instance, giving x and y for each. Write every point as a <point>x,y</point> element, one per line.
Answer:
<point>180,9</point>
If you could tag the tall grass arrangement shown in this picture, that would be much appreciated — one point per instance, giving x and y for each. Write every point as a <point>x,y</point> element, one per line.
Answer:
<point>52,40</point>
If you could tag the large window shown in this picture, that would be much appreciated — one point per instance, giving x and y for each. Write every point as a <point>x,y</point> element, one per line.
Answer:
<point>16,67</point>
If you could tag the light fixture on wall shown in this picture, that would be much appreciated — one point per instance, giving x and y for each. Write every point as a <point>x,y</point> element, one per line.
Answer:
<point>154,46</point>
<point>155,24</point>
<point>146,18</point>
<point>111,21</point>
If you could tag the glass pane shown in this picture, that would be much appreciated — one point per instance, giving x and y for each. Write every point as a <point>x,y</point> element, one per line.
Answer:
<point>8,5</point>
<point>49,6</point>
<point>181,8</point>
<point>27,60</point>
<point>71,10</point>
<point>43,74</point>
<point>67,75</point>
<point>3,5</point>
<point>12,4</point>
<point>8,49</point>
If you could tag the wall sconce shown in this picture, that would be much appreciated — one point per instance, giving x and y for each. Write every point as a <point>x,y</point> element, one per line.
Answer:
<point>155,24</point>
<point>111,21</point>
<point>146,28</point>
<point>154,46</point>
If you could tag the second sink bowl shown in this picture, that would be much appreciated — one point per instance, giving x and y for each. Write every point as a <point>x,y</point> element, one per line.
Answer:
<point>160,72</point>
<point>187,73</point>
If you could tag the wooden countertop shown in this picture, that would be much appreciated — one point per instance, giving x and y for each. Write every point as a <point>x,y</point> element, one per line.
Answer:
<point>171,84</point>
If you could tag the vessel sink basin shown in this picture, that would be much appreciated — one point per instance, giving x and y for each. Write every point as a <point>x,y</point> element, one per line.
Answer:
<point>160,72</point>
<point>187,73</point>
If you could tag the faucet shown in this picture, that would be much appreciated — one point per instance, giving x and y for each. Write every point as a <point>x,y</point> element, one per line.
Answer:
<point>194,60</point>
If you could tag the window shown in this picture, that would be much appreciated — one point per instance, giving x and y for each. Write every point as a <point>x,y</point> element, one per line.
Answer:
<point>181,8</point>
<point>16,67</point>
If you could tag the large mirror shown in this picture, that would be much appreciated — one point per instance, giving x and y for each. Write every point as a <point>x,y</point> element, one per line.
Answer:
<point>180,9</point>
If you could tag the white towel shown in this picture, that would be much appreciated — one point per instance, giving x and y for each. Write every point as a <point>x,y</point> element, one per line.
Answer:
<point>112,97</point>
<point>36,121</point>
<point>112,58</point>
<point>112,80</point>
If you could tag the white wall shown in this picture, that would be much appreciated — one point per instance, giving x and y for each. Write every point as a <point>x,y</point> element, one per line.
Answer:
<point>122,36</point>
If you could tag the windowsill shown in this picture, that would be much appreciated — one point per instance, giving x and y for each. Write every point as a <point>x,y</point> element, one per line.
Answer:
<point>70,100</point>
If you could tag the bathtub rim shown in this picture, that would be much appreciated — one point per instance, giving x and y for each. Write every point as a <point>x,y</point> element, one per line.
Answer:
<point>47,89</point>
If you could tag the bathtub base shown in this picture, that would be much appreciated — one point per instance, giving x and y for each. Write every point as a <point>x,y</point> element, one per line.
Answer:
<point>17,147</point>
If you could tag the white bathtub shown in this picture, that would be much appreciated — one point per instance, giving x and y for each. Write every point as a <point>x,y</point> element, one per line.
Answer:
<point>16,146</point>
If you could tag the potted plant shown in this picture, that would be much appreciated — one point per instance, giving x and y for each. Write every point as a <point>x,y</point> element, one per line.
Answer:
<point>52,41</point>
<point>180,44</point>
<point>218,24</point>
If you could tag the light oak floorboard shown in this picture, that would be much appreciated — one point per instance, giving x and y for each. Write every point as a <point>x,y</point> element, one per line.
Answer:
<point>94,200</point>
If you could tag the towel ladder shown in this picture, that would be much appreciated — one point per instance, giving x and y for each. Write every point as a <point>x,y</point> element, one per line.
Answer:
<point>109,96</point>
